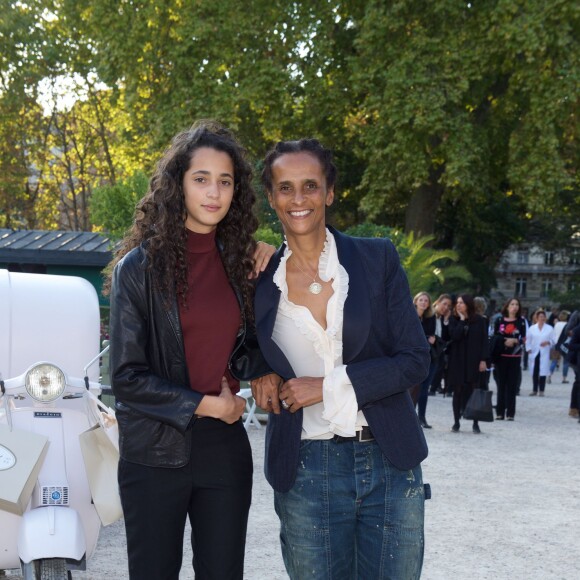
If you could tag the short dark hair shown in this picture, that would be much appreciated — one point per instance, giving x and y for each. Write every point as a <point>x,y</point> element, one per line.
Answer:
<point>312,146</point>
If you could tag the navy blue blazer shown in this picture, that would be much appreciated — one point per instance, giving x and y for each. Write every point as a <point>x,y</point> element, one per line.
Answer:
<point>384,348</point>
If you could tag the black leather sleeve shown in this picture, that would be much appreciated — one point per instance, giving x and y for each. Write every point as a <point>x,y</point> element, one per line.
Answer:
<point>246,362</point>
<point>148,370</point>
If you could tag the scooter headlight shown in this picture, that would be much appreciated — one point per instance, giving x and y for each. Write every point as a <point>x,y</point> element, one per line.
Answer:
<point>45,382</point>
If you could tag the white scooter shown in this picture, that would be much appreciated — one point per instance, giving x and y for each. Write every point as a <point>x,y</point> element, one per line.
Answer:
<point>55,319</point>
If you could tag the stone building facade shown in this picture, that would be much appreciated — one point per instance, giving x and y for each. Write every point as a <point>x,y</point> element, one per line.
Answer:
<point>531,273</point>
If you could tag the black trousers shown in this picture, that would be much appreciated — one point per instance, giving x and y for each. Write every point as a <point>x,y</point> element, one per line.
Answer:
<point>508,379</point>
<point>575,394</point>
<point>214,490</point>
<point>439,374</point>
<point>461,394</point>
<point>537,380</point>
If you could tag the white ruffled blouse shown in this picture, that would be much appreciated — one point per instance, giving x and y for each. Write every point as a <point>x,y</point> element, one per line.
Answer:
<point>317,352</point>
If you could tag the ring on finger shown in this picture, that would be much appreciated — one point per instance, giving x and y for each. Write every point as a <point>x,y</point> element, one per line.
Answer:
<point>285,404</point>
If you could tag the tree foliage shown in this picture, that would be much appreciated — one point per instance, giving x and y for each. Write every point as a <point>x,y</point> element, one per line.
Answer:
<point>427,270</point>
<point>450,119</point>
<point>466,97</point>
<point>268,235</point>
<point>113,206</point>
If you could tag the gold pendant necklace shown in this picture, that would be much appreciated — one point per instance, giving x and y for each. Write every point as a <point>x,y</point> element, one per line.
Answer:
<point>315,287</point>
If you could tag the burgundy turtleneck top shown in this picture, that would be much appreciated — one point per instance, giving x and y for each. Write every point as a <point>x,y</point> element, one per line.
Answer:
<point>211,318</point>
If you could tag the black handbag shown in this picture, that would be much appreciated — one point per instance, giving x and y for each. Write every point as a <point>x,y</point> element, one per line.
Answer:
<point>479,406</point>
<point>437,348</point>
<point>246,362</point>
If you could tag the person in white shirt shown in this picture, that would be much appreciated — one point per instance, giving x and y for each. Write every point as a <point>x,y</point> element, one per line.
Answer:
<point>336,324</point>
<point>538,343</point>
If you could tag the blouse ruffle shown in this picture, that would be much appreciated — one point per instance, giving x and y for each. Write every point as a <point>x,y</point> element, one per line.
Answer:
<point>329,268</point>
<point>338,414</point>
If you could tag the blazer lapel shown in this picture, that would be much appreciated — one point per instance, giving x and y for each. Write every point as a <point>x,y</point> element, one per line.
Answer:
<point>266,309</point>
<point>357,311</point>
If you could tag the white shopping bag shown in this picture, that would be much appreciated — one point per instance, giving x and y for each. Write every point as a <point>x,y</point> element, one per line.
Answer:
<point>101,460</point>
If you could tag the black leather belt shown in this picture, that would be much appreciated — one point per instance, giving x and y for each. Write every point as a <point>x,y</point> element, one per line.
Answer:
<point>365,434</point>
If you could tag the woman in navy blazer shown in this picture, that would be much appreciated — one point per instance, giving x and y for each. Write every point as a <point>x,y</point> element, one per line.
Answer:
<point>320,475</point>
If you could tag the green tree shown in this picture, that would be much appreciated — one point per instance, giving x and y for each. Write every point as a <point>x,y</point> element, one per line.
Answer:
<point>427,270</point>
<point>431,270</point>
<point>268,235</point>
<point>24,135</point>
<point>464,99</point>
<point>54,152</point>
<point>452,119</point>
<point>113,206</point>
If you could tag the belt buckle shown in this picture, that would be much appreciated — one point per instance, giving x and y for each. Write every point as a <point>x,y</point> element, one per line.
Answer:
<point>360,435</point>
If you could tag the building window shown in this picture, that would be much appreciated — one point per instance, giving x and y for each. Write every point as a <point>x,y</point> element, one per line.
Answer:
<point>546,288</point>
<point>548,258</point>
<point>575,258</point>
<point>523,257</point>
<point>521,287</point>
<point>571,285</point>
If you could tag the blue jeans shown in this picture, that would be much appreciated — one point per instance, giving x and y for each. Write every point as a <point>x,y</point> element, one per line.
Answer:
<point>351,515</point>
<point>565,367</point>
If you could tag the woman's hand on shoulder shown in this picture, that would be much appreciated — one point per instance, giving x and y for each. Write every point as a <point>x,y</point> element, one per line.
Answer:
<point>262,256</point>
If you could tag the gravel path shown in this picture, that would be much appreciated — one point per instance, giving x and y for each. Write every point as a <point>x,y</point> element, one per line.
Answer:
<point>506,503</point>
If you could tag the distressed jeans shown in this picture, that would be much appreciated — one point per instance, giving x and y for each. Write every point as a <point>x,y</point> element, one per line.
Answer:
<point>351,515</point>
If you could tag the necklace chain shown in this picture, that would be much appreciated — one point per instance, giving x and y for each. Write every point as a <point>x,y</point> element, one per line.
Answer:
<point>315,287</point>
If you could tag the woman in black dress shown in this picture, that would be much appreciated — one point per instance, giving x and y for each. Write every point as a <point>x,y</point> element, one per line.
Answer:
<point>467,354</point>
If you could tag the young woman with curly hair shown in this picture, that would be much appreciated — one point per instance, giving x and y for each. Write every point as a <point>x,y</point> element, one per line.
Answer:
<point>181,297</point>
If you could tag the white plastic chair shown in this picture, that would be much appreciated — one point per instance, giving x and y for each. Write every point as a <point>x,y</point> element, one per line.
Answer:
<point>251,418</point>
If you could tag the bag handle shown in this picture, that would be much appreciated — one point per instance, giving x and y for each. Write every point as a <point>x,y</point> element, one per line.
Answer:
<point>98,416</point>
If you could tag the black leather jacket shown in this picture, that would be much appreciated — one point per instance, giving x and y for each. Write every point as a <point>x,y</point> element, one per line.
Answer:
<point>155,405</point>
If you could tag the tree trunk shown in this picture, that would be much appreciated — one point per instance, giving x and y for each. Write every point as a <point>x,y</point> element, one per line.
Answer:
<point>421,212</point>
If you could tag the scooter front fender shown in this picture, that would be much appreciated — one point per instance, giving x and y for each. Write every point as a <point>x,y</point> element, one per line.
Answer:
<point>51,532</point>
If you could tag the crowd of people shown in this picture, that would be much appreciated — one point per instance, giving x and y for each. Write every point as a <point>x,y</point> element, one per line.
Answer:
<point>468,347</point>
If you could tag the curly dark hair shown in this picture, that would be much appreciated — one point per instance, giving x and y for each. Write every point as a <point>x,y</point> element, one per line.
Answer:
<point>312,146</point>
<point>160,217</point>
